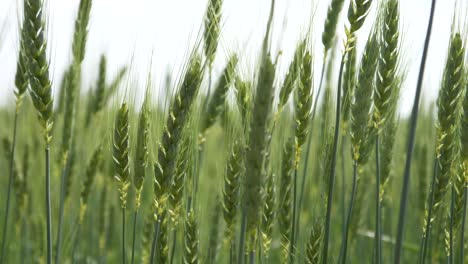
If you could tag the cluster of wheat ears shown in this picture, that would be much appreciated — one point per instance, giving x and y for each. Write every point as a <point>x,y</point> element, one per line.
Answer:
<point>257,169</point>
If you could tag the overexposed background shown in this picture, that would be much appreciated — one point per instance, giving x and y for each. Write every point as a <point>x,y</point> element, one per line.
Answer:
<point>156,36</point>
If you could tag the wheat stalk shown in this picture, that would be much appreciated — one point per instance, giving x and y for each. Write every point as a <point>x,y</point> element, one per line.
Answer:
<point>41,92</point>
<point>357,13</point>
<point>385,97</point>
<point>447,148</point>
<point>411,141</point>
<point>121,152</point>
<point>21,85</point>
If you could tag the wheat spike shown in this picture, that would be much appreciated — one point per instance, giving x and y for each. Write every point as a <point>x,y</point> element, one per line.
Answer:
<point>90,174</point>
<point>38,67</point>
<point>303,104</point>
<point>285,197</point>
<point>191,241</point>
<point>165,167</point>
<point>141,152</point>
<point>219,96</point>
<point>331,22</point>
<point>292,75</point>
<point>234,170</point>
<point>212,29</point>
<point>449,103</point>
<point>121,149</point>
<point>362,103</point>
<point>314,243</point>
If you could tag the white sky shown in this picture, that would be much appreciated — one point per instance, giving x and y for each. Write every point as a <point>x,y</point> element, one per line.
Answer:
<point>159,30</point>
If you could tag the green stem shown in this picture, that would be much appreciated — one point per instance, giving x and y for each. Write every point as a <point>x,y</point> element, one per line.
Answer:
<point>48,207</point>
<point>411,143</point>
<point>333,164</point>
<point>174,243</point>
<point>462,236</point>
<point>157,225</point>
<point>427,231</point>
<point>75,243</point>
<point>10,187</point>
<point>242,237</point>
<point>452,210</point>
<point>292,244</point>
<point>343,178</point>
<point>344,247</point>
<point>124,256</point>
<point>61,210</point>
<point>378,209</point>
<point>134,234</point>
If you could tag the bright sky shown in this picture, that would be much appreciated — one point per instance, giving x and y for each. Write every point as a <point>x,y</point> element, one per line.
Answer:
<point>158,32</point>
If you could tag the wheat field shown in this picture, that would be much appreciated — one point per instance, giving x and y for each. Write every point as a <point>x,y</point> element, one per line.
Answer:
<point>317,165</point>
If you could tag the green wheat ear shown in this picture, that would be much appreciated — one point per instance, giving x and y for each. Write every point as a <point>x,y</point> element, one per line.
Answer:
<point>388,80</point>
<point>148,231</point>
<point>90,174</point>
<point>258,128</point>
<point>303,104</point>
<point>191,240</point>
<point>357,13</point>
<point>362,104</point>
<point>331,23</point>
<point>219,96</point>
<point>165,166</point>
<point>121,149</point>
<point>268,212</point>
<point>314,244</point>
<point>234,170</point>
<point>141,152</point>
<point>38,67</point>
<point>212,29</point>
<point>448,128</point>
<point>292,75</point>
<point>21,77</point>
<point>243,91</point>
<point>285,194</point>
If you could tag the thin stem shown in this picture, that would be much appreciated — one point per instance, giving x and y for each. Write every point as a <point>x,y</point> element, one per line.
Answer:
<point>124,256</point>
<point>427,230</point>
<point>378,209</point>
<point>157,225</point>
<point>292,244</point>
<point>452,210</point>
<point>343,178</point>
<point>242,237</point>
<point>174,243</point>
<point>462,236</point>
<point>48,207</point>
<point>134,234</point>
<point>411,143</point>
<point>333,164</point>
<point>344,247</point>
<point>10,187</point>
<point>61,209</point>
<point>231,254</point>
<point>75,243</point>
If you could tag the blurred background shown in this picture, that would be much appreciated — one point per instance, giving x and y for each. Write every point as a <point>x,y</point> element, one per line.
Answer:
<point>155,36</point>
